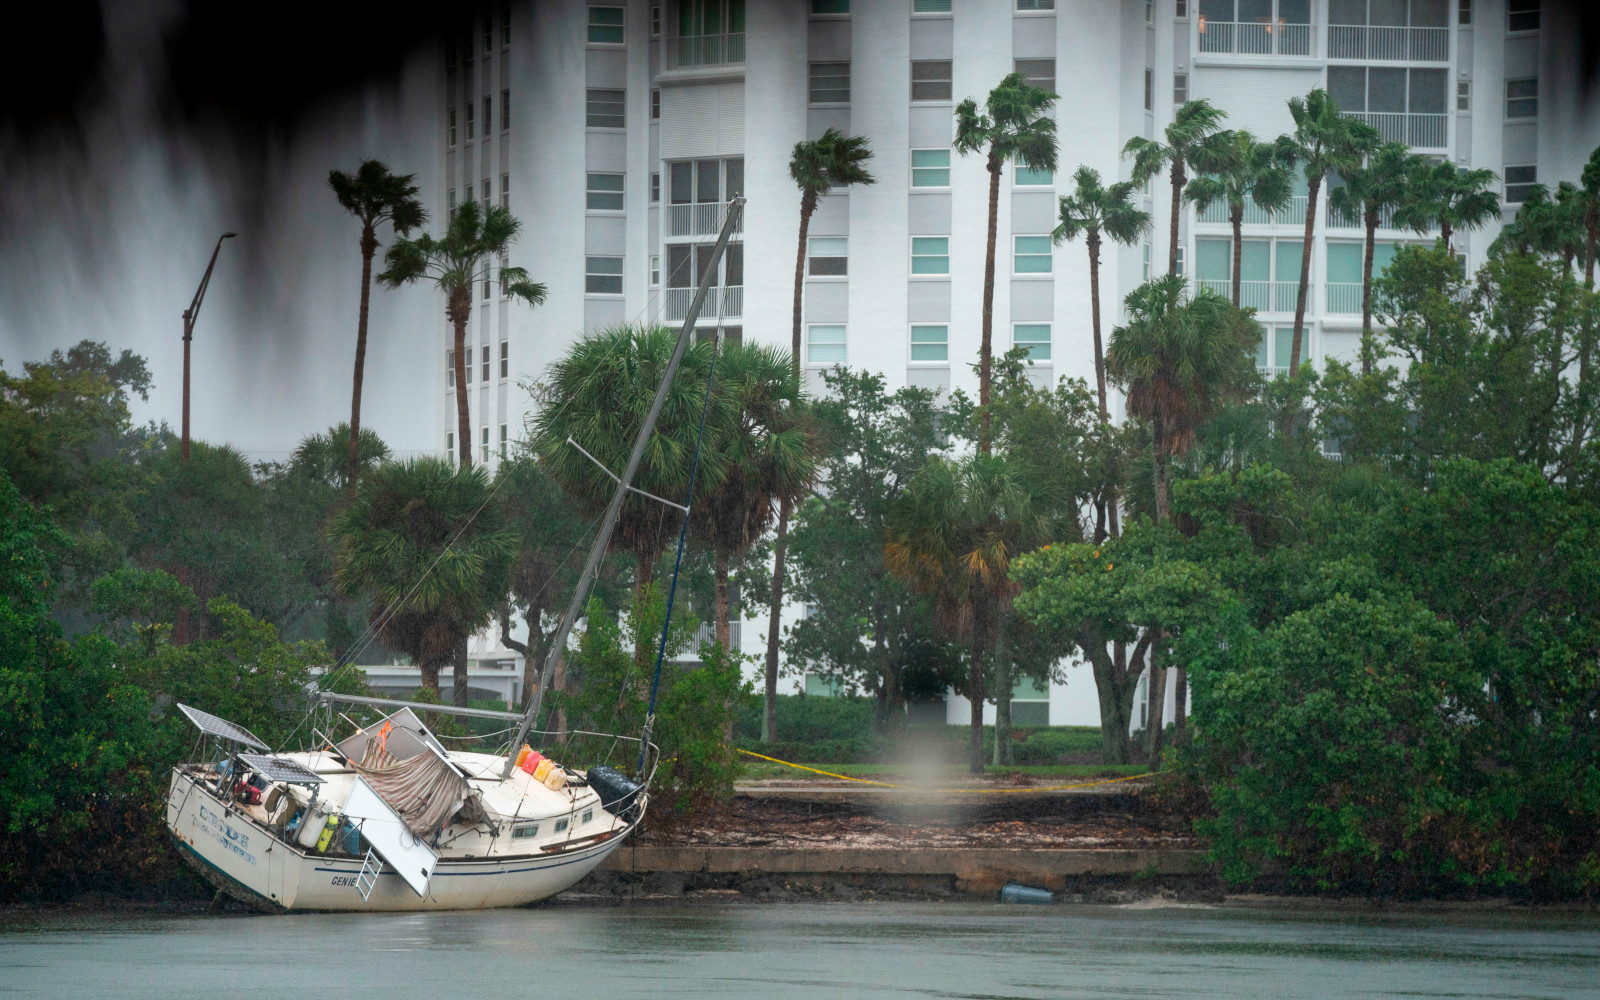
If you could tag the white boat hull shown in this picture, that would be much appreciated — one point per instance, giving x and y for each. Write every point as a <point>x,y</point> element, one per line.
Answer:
<point>244,859</point>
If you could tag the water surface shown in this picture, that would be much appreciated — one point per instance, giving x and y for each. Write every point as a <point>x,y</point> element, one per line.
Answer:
<point>808,950</point>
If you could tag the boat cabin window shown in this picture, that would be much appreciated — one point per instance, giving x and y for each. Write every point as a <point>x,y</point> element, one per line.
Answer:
<point>523,832</point>
<point>561,824</point>
<point>587,816</point>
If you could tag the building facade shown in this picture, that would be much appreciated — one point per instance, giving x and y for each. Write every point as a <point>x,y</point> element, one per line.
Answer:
<point>617,131</point>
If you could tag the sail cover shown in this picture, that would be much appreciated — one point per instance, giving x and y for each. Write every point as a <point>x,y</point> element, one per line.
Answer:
<point>423,788</point>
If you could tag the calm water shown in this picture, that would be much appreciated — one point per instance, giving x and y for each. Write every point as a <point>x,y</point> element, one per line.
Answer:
<point>833,950</point>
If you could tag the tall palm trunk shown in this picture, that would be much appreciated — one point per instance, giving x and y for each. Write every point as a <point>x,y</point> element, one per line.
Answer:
<point>1158,458</point>
<point>975,694</point>
<point>1002,697</point>
<point>1312,187</point>
<point>1367,348</point>
<point>1236,218</point>
<point>986,346</point>
<point>808,205</point>
<point>1178,181</point>
<point>723,628</point>
<point>1157,704</point>
<point>459,309</point>
<point>1591,244</point>
<point>1093,241</point>
<point>780,548</point>
<point>1447,233</point>
<point>429,670</point>
<point>369,246</point>
<point>459,692</point>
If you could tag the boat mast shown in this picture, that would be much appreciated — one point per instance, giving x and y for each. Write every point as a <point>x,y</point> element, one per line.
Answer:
<point>591,566</point>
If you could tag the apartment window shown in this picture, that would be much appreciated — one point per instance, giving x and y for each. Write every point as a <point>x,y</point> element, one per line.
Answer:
<point>505,110</point>
<point>1406,105</point>
<point>487,361</point>
<point>484,450</point>
<point>1041,73</point>
<point>1035,337</point>
<point>828,256</point>
<point>1149,12</point>
<point>1519,183</point>
<point>605,25</point>
<point>930,80</point>
<point>505,359</point>
<point>450,57</point>
<point>1522,98</point>
<point>1464,12</point>
<point>451,203</point>
<point>450,447</point>
<point>505,262</point>
<point>466,365</point>
<point>1522,15</point>
<point>1180,89</point>
<point>605,193</point>
<point>1149,90</point>
<point>606,109</point>
<point>449,369</point>
<point>602,276</point>
<point>825,345</point>
<point>505,25</point>
<point>488,32</point>
<point>472,126</point>
<point>1029,177</point>
<point>1031,255</point>
<point>930,6</point>
<point>1180,8</point>
<point>469,194</point>
<point>486,293</point>
<point>655,104</point>
<point>1269,271</point>
<point>505,191</point>
<point>504,439</point>
<point>452,128</point>
<point>830,83</point>
<point>1179,269</point>
<point>655,271</point>
<point>1463,95</point>
<point>1144,255</point>
<point>930,168</point>
<point>930,343</point>
<point>655,21</point>
<point>488,195</point>
<point>830,6</point>
<point>930,255</point>
<point>1036,4</point>
<point>466,49</point>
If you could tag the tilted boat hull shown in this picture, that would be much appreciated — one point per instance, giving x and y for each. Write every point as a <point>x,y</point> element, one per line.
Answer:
<point>244,860</point>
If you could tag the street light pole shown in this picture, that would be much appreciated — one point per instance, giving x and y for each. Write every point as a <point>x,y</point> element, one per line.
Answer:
<point>189,316</point>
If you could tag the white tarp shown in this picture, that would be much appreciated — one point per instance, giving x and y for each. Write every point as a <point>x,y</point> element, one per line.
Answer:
<point>388,834</point>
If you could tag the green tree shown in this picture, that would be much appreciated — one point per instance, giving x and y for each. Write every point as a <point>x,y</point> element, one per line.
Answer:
<point>1382,185</point>
<point>423,543</point>
<point>1590,179</point>
<point>1193,133</point>
<point>373,195</point>
<point>474,244</point>
<point>1015,127</point>
<point>1324,141</point>
<point>1096,211</point>
<point>953,536</point>
<point>1237,169</point>
<point>817,166</point>
<point>1451,198</point>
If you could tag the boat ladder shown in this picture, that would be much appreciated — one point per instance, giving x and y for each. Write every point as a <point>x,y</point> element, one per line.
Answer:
<point>371,868</point>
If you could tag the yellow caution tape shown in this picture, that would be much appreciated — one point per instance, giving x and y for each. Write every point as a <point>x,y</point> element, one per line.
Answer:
<point>919,788</point>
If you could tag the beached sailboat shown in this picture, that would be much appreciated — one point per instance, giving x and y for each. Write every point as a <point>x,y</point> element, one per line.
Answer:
<point>387,817</point>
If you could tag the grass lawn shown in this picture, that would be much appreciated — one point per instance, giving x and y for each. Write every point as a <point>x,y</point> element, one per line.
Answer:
<point>760,770</point>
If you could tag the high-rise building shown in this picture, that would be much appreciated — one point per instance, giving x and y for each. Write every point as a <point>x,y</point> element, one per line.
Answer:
<point>618,131</point>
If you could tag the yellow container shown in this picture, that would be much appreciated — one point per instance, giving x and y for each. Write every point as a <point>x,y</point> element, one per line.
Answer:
<point>543,770</point>
<point>523,754</point>
<point>327,834</point>
<point>556,779</point>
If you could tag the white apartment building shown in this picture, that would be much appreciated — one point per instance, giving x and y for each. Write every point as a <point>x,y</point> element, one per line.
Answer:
<point>617,130</point>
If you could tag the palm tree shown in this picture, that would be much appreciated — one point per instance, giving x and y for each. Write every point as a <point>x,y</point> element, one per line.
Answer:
<point>1451,198</point>
<point>1324,141</point>
<point>1590,179</point>
<point>599,394</point>
<point>952,536</point>
<point>1383,185</point>
<point>325,459</point>
<point>817,166</point>
<point>1192,135</point>
<point>1016,128</point>
<point>1237,169</point>
<point>421,541</point>
<point>373,195</point>
<point>1094,210</point>
<point>766,450</point>
<point>1568,224</point>
<point>474,243</point>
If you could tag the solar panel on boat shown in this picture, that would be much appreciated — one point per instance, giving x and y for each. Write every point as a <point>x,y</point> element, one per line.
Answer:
<point>216,726</point>
<point>279,769</point>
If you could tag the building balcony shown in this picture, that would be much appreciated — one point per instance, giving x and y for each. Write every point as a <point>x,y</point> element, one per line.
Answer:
<point>1292,214</point>
<point>1255,38</point>
<point>703,219</point>
<point>732,302</point>
<point>1336,219</point>
<point>1344,297</point>
<point>1262,296</point>
<point>705,51</point>
<point>1419,131</point>
<point>1362,41</point>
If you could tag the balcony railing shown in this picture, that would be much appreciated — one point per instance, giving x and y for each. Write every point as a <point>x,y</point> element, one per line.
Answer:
<point>1424,131</point>
<point>1262,296</point>
<point>678,299</point>
<point>1272,371</point>
<point>694,51</point>
<point>1344,296</point>
<point>702,219</point>
<point>1255,38</point>
<point>1292,214</point>
<point>1352,220</point>
<point>1360,41</point>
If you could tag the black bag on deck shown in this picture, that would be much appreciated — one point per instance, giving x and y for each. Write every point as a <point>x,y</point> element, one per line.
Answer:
<point>616,790</point>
